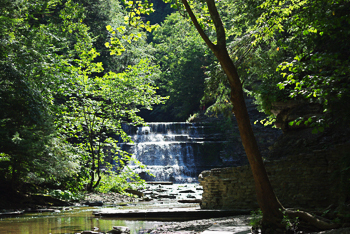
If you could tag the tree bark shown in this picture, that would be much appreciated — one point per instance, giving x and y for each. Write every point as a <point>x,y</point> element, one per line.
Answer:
<point>268,202</point>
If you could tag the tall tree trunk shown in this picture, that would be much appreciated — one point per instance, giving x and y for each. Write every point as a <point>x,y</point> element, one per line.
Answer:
<point>268,202</point>
<point>98,172</point>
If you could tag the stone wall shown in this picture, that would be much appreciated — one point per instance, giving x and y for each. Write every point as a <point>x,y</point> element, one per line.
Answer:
<point>304,180</point>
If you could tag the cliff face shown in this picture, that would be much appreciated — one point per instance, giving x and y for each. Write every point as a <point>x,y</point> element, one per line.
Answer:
<point>301,137</point>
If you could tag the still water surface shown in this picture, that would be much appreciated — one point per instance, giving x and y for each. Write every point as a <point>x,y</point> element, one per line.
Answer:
<point>81,218</point>
<point>77,220</point>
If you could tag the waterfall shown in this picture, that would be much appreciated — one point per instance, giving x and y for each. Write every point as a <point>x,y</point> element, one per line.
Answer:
<point>168,149</point>
<point>179,151</point>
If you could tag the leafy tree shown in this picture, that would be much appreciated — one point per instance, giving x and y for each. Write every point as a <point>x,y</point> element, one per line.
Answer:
<point>256,62</point>
<point>133,41</point>
<point>52,90</point>
<point>267,200</point>
<point>93,107</point>
<point>31,150</point>
<point>295,46</point>
<point>99,14</point>
<point>315,66</point>
<point>162,10</point>
<point>93,116</point>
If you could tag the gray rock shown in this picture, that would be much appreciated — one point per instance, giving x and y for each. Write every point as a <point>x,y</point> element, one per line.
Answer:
<point>146,198</point>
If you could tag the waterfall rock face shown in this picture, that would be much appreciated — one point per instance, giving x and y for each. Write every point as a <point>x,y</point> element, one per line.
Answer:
<point>176,152</point>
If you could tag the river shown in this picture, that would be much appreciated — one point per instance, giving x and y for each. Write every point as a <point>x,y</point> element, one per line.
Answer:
<point>76,220</point>
<point>81,218</point>
<point>171,152</point>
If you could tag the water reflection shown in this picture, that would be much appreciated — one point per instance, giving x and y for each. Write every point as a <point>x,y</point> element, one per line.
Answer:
<point>77,220</point>
<point>81,219</point>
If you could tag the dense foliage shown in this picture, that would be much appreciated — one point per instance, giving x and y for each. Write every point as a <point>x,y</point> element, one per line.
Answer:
<point>288,50</point>
<point>31,68</point>
<point>183,58</point>
<point>72,72</point>
<point>63,100</point>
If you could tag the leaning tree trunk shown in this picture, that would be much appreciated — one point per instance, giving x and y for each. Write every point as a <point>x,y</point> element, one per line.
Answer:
<point>268,202</point>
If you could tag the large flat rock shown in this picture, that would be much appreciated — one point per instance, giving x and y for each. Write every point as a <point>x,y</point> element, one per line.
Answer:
<point>169,214</point>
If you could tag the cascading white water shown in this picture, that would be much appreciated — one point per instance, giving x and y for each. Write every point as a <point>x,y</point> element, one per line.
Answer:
<point>167,149</point>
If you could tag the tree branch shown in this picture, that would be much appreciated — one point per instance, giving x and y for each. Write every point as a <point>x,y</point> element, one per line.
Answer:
<point>198,27</point>
<point>219,27</point>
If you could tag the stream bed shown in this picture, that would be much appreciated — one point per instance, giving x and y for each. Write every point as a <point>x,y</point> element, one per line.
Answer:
<point>76,220</point>
<point>81,218</point>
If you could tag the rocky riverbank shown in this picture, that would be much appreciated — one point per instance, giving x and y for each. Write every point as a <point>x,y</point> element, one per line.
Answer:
<point>183,193</point>
<point>234,224</point>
